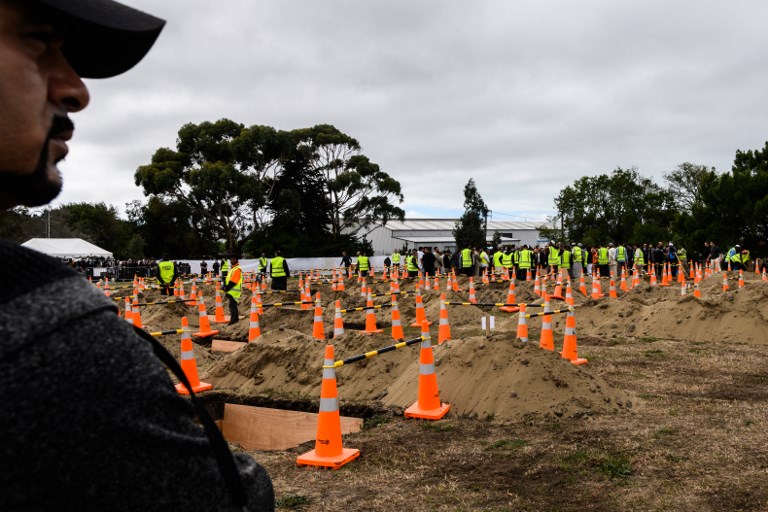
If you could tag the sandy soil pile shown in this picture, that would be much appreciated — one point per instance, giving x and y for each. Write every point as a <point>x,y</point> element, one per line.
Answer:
<point>491,378</point>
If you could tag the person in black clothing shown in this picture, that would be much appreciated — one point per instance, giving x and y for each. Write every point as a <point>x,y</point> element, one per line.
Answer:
<point>346,261</point>
<point>447,260</point>
<point>90,419</point>
<point>216,267</point>
<point>715,257</point>
<point>428,262</point>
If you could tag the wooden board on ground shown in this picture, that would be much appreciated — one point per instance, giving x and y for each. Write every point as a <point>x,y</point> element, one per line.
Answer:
<point>262,428</point>
<point>226,345</point>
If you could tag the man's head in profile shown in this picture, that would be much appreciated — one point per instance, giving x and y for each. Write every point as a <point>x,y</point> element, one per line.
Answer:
<point>46,48</point>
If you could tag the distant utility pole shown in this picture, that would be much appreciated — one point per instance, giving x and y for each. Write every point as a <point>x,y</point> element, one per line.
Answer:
<point>48,210</point>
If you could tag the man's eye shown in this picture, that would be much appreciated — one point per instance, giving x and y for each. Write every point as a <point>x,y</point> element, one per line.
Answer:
<point>44,39</point>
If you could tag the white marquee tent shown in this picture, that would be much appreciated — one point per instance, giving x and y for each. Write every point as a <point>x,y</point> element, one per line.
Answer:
<point>66,247</point>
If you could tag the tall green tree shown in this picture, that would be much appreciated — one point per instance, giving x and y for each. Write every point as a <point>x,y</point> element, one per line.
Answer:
<point>687,182</point>
<point>172,228</point>
<point>358,192</point>
<point>621,207</point>
<point>469,230</point>
<point>204,174</point>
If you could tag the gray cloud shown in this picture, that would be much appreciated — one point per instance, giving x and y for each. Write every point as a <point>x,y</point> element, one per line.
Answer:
<point>524,97</point>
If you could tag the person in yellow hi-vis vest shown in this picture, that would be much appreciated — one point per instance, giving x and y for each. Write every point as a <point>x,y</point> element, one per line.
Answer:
<point>396,256</point>
<point>363,264</point>
<point>166,275</point>
<point>279,271</point>
<point>232,288</point>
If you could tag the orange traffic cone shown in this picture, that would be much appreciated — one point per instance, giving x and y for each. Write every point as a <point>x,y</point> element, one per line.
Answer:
<point>397,326</point>
<point>596,292</point>
<point>428,406</point>
<point>328,452</point>
<point>683,288</point>
<point>318,329</point>
<point>653,276</point>
<point>219,317</point>
<point>558,293</point>
<point>696,291</point>
<point>725,280</point>
<point>546,340</point>
<point>421,316</point>
<point>455,284</point>
<point>306,297</point>
<point>511,299</point>
<point>472,298</point>
<point>188,363</point>
<point>569,294</point>
<point>536,286</point>
<point>623,284</point>
<point>370,317</point>
<point>192,302</point>
<point>612,290</point>
<point>741,279</point>
<point>128,310</point>
<point>666,278</point>
<point>338,321</point>
<point>136,314</point>
<point>340,283</point>
<point>444,328</point>
<point>205,322</point>
<point>582,285</point>
<point>254,331</point>
<point>522,325</point>
<point>569,342</point>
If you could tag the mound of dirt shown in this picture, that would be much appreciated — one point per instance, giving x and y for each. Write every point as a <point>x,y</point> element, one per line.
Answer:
<point>497,378</point>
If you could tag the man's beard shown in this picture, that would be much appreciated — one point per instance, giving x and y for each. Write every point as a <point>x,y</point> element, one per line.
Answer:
<point>38,188</point>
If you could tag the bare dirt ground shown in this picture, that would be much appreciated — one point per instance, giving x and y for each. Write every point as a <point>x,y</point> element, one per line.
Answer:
<point>669,414</point>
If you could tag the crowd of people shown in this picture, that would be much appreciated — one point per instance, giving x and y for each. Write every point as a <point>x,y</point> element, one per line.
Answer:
<point>606,259</point>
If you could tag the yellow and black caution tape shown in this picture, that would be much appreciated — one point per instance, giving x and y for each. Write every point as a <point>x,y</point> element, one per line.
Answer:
<point>189,302</point>
<point>166,333</point>
<point>493,304</point>
<point>553,312</point>
<point>363,308</point>
<point>373,353</point>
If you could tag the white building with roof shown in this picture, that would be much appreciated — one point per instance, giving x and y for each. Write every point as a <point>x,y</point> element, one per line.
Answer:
<point>413,233</point>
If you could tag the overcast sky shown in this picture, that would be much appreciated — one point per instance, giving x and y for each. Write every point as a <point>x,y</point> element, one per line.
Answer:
<point>523,96</point>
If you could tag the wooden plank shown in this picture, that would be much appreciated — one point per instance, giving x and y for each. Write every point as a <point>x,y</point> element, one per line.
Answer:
<point>262,428</point>
<point>226,345</point>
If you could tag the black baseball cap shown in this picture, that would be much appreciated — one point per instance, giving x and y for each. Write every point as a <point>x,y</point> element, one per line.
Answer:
<point>105,38</point>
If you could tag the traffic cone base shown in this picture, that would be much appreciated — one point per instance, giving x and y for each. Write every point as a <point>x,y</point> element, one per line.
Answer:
<point>415,411</point>
<point>203,386</point>
<point>311,458</point>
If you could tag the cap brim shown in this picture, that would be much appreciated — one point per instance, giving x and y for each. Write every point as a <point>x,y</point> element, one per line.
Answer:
<point>106,38</point>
